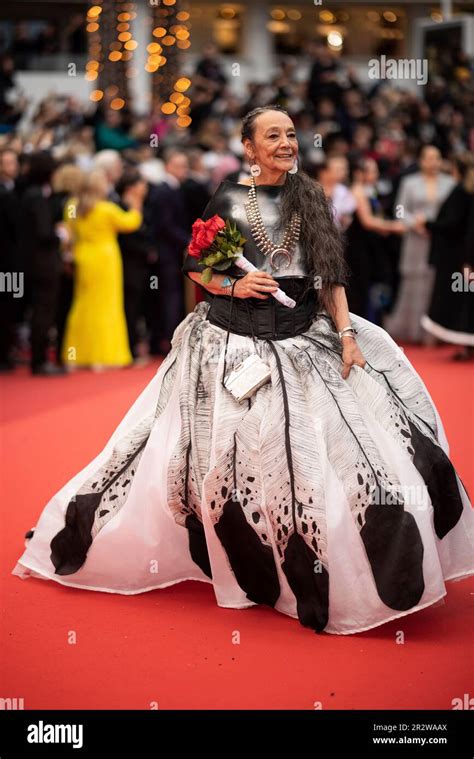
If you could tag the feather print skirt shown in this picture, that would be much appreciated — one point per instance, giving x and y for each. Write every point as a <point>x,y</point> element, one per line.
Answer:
<point>333,501</point>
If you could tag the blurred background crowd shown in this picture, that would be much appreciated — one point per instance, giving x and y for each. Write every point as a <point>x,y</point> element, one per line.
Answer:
<point>97,204</point>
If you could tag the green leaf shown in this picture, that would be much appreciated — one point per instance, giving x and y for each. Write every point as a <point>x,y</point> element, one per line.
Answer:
<point>206,276</point>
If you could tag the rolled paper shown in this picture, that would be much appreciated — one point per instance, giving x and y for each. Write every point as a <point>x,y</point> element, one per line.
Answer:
<point>244,264</point>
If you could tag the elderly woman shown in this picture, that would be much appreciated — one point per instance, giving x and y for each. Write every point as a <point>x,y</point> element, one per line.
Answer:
<point>326,494</point>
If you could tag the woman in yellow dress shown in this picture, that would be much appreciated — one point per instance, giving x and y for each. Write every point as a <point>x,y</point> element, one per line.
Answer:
<point>96,329</point>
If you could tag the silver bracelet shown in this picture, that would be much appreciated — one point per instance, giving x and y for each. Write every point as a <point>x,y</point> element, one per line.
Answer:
<point>349,331</point>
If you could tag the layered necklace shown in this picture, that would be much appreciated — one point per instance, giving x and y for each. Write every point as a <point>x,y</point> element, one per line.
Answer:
<point>283,250</point>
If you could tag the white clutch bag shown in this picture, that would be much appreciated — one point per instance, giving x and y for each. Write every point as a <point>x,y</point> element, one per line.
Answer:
<point>245,379</point>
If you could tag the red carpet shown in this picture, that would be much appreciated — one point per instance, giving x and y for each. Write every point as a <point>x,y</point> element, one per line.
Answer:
<point>175,646</point>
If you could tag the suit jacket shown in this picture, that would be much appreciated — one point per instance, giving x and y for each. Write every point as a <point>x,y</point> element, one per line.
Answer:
<point>197,196</point>
<point>38,240</point>
<point>9,230</point>
<point>135,247</point>
<point>167,218</point>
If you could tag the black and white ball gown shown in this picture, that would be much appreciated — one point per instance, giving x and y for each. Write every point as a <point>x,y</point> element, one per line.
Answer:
<point>333,501</point>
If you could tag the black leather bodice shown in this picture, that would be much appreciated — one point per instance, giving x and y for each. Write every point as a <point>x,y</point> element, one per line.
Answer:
<point>267,318</point>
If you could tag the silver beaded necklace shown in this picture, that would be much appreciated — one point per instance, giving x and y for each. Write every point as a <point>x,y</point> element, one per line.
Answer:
<point>286,248</point>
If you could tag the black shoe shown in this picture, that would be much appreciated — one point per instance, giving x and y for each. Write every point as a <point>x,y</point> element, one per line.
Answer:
<point>48,370</point>
<point>466,354</point>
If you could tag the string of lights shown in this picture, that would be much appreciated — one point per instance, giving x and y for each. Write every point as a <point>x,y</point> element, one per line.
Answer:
<point>95,64</point>
<point>111,51</point>
<point>171,27</point>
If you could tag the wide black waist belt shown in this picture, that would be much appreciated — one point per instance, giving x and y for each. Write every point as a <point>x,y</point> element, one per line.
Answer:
<point>266,318</point>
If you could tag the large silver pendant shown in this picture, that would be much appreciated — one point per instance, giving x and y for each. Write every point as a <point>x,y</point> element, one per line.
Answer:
<point>284,254</point>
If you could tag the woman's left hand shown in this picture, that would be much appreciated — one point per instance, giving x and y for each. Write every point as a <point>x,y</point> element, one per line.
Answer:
<point>351,354</point>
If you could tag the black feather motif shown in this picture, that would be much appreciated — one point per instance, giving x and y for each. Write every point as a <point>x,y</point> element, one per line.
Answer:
<point>70,546</point>
<point>440,478</point>
<point>252,562</point>
<point>309,581</point>
<point>395,552</point>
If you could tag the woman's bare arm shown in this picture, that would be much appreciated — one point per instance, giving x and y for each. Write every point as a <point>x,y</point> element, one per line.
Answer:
<point>371,222</point>
<point>339,311</point>
<point>253,285</point>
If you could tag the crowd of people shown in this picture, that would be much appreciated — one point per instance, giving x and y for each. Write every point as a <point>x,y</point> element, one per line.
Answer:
<point>97,206</point>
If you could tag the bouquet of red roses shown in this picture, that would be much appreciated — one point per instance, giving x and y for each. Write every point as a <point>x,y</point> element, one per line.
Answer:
<point>216,243</point>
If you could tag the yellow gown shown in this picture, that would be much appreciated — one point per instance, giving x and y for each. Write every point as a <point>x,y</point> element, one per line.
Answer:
<point>96,329</point>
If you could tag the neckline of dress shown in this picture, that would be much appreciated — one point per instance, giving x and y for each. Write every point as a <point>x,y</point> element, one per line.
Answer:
<point>268,186</point>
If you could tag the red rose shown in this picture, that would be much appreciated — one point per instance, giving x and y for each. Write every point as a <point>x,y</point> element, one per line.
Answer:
<point>216,223</point>
<point>204,233</point>
<point>193,251</point>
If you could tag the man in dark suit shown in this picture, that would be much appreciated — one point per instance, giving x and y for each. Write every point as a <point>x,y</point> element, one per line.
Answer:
<point>137,253</point>
<point>196,186</point>
<point>40,246</point>
<point>167,217</point>
<point>9,260</point>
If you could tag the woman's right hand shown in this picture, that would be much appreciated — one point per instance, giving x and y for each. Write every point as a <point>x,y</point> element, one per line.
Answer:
<point>255,284</point>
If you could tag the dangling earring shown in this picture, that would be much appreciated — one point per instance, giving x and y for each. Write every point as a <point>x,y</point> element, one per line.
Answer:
<point>255,169</point>
<point>294,168</point>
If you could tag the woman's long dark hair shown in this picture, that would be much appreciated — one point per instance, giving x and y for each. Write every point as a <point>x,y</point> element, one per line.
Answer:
<point>321,240</point>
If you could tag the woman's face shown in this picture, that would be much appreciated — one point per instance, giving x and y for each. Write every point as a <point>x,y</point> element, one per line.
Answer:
<point>274,146</point>
<point>338,169</point>
<point>430,160</point>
